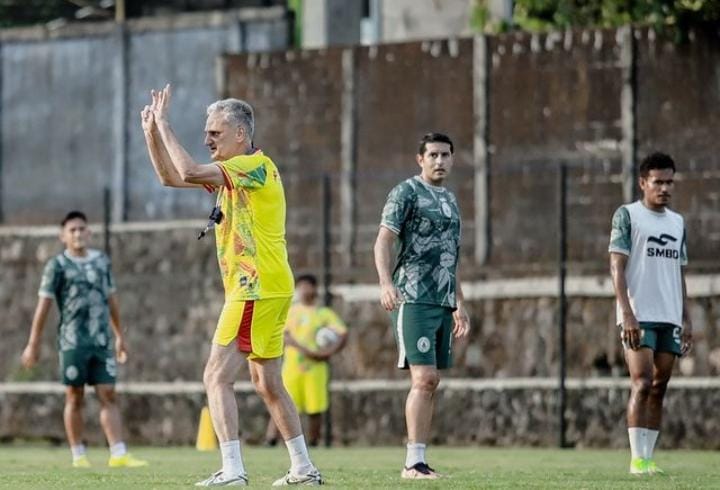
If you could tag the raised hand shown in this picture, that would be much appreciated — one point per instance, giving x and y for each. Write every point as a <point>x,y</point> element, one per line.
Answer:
<point>147,118</point>
<point>161,104</point>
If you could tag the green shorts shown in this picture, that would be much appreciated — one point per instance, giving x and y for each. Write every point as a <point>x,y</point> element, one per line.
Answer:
<point>660,337</point>
<point>423,334</point>
<point>91,366</point>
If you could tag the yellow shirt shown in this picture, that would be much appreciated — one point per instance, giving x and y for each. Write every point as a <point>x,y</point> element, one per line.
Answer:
<point>251,246</point>
<point>303,323</point>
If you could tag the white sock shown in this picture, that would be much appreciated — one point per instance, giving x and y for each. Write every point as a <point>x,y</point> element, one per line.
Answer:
<point>652,436</point>
<point>415,454</point>
<point>638,438</point>
<point>232,458</point>
<point>118,449</point>
<point>300,463</point>
<point>77,450</point>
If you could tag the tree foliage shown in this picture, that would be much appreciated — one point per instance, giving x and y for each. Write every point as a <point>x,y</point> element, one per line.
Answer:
<point>24,12</point>
<point>14,13</point>
<point>674,16</point>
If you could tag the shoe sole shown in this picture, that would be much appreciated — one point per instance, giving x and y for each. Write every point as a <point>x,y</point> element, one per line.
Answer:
<point>418,476</point>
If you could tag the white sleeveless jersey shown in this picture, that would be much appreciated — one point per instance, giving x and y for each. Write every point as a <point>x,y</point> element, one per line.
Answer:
<point>656,246</point>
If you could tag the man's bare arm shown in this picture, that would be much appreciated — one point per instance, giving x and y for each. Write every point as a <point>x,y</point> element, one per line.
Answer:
<point>189,170</point>
<point>389,296</point>
<point>32,350</point>
<point>687,333</point>
<point>631,328</point>
<point>161,161</point>
<point>120,346</point>
<point>460,316</point>
<point>114,308</point>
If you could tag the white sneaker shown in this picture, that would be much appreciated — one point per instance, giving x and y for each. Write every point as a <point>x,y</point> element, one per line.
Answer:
<point>312,478</point>
<point>419,471</point>
<point>218,479</point>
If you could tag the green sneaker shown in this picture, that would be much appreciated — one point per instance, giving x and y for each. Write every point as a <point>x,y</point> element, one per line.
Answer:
<point>638,466</point>
<point>653,469</point>
<point>81,462</point>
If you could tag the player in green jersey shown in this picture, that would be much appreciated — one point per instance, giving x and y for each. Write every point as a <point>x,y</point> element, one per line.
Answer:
<point>423,291</point>
<point>81,282</point>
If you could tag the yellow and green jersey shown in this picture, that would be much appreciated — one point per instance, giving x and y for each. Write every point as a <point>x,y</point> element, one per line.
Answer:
<point>251,246</point>
<point>303,323</point>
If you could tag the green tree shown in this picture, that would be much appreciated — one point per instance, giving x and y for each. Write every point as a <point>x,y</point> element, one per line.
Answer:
<point>674,16</point>
<point>25,12</point>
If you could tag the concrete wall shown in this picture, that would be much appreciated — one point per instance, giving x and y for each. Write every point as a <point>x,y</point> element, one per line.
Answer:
<point>674,114</point>
<point>553,98</point>
<point>410,20</point>
<point>516,105</point>
<point>330,23</point>
<point>513,413</point>
<point>170,296</point>
<point>71,100</point>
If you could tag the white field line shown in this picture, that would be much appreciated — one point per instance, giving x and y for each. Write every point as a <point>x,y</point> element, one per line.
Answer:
<point>379,385</point>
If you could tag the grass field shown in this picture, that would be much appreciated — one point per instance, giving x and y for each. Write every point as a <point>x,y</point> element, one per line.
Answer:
<point>43,467</point>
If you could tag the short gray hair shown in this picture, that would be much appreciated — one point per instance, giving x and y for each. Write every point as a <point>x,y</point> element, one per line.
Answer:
<point>236,112</point>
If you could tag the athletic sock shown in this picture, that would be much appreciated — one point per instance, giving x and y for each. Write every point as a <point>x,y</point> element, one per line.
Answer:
<point>232,458</point>
<point>300,463</point>
<point>652,436</point>
<point>77,450</point>
<point>118,449</point>
<point>638,439</point>
<point>415,454</point>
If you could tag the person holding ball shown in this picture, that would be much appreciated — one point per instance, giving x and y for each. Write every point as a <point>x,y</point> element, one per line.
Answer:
<point>313,334</point>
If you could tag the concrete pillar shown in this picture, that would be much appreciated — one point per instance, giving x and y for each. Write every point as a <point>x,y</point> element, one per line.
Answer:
<point>348,137</point>
<point>628,113</point>
<point>118,186</point>
<point>500,10</point>
<point>331,23</point>
<point>480,149</point>
<point>2,196</point>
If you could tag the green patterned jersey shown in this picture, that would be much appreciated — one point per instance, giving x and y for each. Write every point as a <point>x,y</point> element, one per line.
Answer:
<point>426,219</point>
<point>81,286</point>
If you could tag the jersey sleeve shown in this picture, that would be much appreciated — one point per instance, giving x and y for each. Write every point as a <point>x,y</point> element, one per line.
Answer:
<point>620,235</point>
<point>397,208</point>
<point>332,320</point>
<point>683,249</point>
<point>50,282</point>
<point>249,172</point>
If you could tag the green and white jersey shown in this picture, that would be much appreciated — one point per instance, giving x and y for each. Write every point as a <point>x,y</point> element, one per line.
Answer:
<point>656,246</point>
<point>426,219</point>
<point>81,286</point>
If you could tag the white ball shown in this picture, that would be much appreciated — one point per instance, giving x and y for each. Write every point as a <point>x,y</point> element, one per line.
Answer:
<point>326,337</point>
